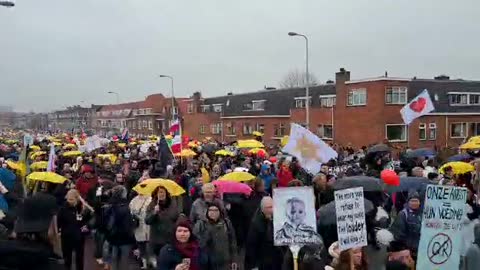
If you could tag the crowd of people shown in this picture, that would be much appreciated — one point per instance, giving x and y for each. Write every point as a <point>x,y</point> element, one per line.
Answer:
<point>50,223</point>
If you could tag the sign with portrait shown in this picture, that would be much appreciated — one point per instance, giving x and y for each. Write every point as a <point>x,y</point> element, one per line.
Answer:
<point>294,218</point>
<point>350,211</point>
<point>442,225</point>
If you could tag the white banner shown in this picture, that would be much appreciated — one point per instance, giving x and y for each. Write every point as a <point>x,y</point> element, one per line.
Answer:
<point>350,211</point>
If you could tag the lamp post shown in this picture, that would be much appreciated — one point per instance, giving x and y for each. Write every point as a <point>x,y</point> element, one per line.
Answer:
<point>307,78</point>
<point>7,4</point>
<point>172,89</point>
<point>116,94</point>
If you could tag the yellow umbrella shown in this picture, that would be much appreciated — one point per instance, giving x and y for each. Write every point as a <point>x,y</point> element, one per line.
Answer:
<point>470,145</point>
<point>34,155</point>
<point>14,165</point>
<point>112,157</point>
<point>249,144</point>
<point>47,177</point>
<point>224,153</point>
<point>458,167</point>
<point>186,153</point>
<point>57,143</point>
<point>475,139</point>
<point>148,186</point>
<point>122,145</point>
<point>255,150</point>
<point>72,154</point>
<point>284,140</point>
<point>35,147</point>
<point>205,175</point>
<point>237,177</point>
<point>69,146</point>
<point>40,165</point>
<point>257,133</point>
<point>11,141</point>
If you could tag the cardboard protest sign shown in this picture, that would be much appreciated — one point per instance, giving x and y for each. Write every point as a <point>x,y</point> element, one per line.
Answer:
<point>294,218</point>
<point>442,224</point>
<point>350,211</point>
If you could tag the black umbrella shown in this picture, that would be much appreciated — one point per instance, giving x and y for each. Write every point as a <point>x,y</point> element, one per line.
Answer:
<point>368,183</point>
<point>209,148</point>
<point>409,183</point>
<point>327,214</point>
<point>378,148</point>
<point>422,152</point>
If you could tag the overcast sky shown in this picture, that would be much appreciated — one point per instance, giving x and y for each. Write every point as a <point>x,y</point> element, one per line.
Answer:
<point>59,52</point>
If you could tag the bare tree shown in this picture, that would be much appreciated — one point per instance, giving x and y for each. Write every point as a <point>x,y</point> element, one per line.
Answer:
<point>296,78</point>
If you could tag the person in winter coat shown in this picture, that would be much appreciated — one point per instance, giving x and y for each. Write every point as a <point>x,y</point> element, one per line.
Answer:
<point>73,220</point>
<point>284,175</point>
<point>120,228</point>
<point>184,252</point>
<point>352,259</point>
<point>162,213</point>
<point>323,192</point>
<point>217,239</point>
<point>408,223</point>
<point>87,181</point>
<point>472,258</point>
<point>260,251</point>
<point>138,208</point>
<point>199,206</point>
<point>267,176</point>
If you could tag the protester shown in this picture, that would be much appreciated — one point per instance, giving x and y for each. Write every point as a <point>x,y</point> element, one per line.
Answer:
<point>472,257</point>
<point>87,181</point>
<point>352,259</point>
<point>199,207</point>
<point>138,208</point>
<point>407,225</point>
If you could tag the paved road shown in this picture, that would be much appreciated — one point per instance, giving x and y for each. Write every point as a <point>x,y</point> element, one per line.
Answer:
<point>91,264</point>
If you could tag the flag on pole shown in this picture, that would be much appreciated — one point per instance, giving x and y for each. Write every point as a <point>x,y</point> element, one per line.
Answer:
<point>51,159</point>
<point>165,156</point>
<point>124,136</point>
<point>176,132</point>
<point>309,149</point>
<point>419,106</point>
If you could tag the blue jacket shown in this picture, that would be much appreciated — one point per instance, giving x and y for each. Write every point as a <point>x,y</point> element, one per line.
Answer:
<point>267,177</point>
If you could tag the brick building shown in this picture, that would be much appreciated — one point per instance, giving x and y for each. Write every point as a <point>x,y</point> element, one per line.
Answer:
<point>359,112</point>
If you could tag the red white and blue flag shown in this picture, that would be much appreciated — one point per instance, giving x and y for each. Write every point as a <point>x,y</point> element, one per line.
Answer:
<point>176,132</point>
<point>124,136</point>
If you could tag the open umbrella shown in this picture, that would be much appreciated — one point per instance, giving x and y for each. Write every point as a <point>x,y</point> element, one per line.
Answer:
<point>368,183</point>
<point>256,150</point>
<point>12,164</point>
<point>458,167</point>
<point>224,187</point>
<point>72,154</point>
<point>327,214</point>
<point>7,178</point>
<point>378,148</point>
<point>224,152</point>
<point>186,153</point>
<point>257,134</point>
<point>422,152</point>
<point>112,157</point>
<point>459,157</point>
<point>410,183</point>
<point>40,165</point>
<point>237,177</point>
<point>37,154</point>
<point>46,177</point>
<point>249,144</point>
<point>148,186</point>
<point>35,148</point>
<point>471,145</point>
<point>69,146</point>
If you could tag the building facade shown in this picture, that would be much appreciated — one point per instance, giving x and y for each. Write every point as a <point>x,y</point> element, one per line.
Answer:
<point>357,112</point>
<point>74,118</point>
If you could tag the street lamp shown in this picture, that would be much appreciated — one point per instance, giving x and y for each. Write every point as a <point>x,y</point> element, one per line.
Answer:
<point>115,93</point>
<point>172,89</point>
<point>7,4</point>
<point>307,78</point>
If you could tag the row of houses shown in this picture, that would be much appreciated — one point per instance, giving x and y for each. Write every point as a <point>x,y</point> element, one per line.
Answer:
<point>357,112</point>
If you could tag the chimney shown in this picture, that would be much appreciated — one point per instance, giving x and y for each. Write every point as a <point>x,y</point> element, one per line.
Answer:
<point>386,74</point>
<point>442,77</point>
<point>229,94</point>
<point>342,76</point>
<point>197,96</point>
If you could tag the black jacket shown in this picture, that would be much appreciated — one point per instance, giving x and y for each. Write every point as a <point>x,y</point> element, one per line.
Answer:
<point>70,221</point>
<point>119,224</point>
<point>260,251</point>
<point>170,257</point>
<point>26,255</point>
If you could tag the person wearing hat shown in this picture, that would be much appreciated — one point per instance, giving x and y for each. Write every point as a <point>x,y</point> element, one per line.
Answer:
<point>87,181</point>
<point>407,225</point>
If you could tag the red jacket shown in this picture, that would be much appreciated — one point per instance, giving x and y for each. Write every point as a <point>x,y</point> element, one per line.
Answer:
<point>85,185</point>
<point>284,176</point>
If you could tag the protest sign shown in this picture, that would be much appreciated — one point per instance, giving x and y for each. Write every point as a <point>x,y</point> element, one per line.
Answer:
<point>27,139</point>
<point>294,218</point>
<point>350,211</point>
<point>442,224</point>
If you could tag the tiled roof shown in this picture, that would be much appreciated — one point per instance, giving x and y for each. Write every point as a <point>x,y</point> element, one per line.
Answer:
<point>440,89</point>
<point>277,102</point>
<point>123,106</point>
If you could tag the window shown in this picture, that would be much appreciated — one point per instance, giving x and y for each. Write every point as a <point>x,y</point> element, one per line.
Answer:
<point>357,97</point>
<point>231,130</point>
<point>458,130</point>
<point>432,131</point>
<point>458,99</point>
<point>217,108</point>
<point>396,95</point>
<point>134,124</point>
<point>422,132</point>
<point>247,129</point>
<point>150,125</point>
<point>216,128</point>
<point>328,101</point>
<point>203,129</point>
<point>148,111</point>
<point>190,108</point>
<point>396,133</point>
<point>325,131</point>
<point>139,124</point>
<point>261,128</point>
<point>301,103</point>
<point>145,124</point>
<point>255,105</point>
<point>475,129</point>
<point>474,99</point>
<point>205,108</point>
<point>279,130</point>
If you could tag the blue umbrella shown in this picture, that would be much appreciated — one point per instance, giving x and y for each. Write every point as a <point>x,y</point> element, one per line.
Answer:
<point>410,183</point>
<point>422,152</point>
<point>7,178</point>
<point>459,157</point>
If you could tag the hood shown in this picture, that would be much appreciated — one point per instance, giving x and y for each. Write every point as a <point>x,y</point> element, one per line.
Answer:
<point>265,167</point>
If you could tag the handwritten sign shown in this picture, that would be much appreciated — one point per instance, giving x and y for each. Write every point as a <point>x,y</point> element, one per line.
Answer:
<point>441,238</point>
<point>350,211</point>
